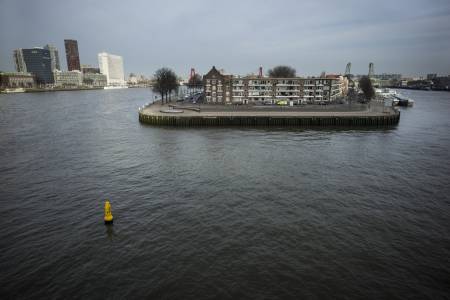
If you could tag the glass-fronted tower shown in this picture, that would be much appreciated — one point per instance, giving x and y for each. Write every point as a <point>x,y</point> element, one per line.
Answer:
<point>36,61</point>
<point>54,55</point>
<point>72,56</point>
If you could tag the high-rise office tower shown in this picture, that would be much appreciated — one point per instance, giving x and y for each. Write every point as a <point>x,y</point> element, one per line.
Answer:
<point>72,56</point>
<point>112,66</point>
<point>54,55</point>
<point>36,61</point>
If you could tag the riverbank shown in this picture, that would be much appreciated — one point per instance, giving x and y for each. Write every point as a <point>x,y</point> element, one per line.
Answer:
<point>419,88</point>
<point>41,90</point>
<point>303,116</point>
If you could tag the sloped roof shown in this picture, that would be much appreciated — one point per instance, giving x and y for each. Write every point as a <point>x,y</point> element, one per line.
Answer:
<point>213,73</point>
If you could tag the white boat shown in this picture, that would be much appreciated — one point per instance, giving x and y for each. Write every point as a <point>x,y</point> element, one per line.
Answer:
<point>16,90</point>
<point>386,93</point>
<point>402,101</point>
<point>113,87</point>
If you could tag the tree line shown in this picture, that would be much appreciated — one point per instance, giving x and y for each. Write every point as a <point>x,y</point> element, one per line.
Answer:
<point>166,82</point>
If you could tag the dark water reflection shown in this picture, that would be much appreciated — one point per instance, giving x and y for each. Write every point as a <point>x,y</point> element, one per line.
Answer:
<point>219,213</point>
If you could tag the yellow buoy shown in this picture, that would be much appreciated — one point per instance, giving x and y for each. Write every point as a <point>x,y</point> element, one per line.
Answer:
<point>108,214</point>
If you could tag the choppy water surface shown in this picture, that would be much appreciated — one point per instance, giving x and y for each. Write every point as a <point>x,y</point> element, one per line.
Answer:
<point>219,213</point>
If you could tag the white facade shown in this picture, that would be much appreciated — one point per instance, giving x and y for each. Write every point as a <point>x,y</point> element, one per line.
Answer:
<point>68,78</point>
<point>259,90</point>
<point>94,80</point>
<point>288,89</point>
<point>112,66</point>
<point>238,90</point>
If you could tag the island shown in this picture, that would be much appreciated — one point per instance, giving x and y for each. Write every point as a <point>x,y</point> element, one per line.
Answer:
<point>280,99</point>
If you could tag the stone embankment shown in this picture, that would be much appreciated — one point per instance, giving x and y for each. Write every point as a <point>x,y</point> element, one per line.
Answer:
<point>303,116</point>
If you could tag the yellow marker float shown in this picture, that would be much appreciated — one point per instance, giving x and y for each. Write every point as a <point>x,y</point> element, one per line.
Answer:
<point>108,215</point>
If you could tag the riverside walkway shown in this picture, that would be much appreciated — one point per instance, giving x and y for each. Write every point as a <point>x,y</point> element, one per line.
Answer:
<point>250,115</point>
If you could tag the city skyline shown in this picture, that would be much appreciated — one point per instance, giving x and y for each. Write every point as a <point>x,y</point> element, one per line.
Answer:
<point>308,36</point>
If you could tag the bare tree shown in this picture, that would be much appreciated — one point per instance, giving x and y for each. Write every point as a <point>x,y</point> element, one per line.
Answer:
<point>165,82</point>
<point>172,83</point>
<point>282,72</point>
<point>159,83</point>
<point>366,86</point>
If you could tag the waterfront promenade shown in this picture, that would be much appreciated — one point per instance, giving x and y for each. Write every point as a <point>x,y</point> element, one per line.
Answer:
<point>309,115</point>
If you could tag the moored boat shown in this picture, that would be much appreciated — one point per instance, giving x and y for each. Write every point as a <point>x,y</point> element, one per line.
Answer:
<point>402,101</point>
<point>386,93</point>
<point>112,87</point>
<point>16,90</point>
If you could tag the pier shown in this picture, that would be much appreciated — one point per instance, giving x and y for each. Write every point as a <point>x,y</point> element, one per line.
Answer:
<point>248,116</point>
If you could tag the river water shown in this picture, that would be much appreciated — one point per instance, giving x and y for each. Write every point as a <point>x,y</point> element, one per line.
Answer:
<point>221,212</point>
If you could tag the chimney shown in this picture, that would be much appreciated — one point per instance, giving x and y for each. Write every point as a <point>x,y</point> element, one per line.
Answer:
<point>260,72</point>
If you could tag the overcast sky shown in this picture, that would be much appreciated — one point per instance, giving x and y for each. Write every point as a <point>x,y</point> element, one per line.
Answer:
<point>410,37</point>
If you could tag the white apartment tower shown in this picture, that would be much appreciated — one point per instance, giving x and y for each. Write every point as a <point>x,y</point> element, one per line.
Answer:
<point>112,66</point>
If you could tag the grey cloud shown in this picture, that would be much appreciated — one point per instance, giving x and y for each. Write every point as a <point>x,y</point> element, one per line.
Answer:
<point>411,37</point>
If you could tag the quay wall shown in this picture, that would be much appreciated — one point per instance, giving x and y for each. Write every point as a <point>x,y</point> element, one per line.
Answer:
<point>278,121</point>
